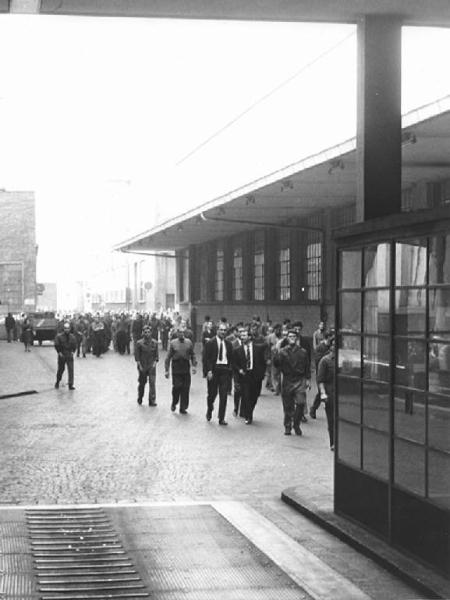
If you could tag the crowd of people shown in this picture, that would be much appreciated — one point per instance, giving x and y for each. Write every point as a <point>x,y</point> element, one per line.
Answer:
<point>236,360</point>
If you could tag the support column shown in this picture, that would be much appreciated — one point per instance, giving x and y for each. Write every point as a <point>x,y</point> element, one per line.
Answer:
<point>379,117</point>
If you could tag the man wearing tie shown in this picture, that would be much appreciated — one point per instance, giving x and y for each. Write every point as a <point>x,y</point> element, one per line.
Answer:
<point>218,372</point>
<point>249,361</point>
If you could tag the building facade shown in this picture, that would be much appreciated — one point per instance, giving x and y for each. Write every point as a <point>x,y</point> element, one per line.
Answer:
<point>18,251</point>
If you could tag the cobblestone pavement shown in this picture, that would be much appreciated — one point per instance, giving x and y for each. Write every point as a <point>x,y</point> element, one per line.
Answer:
<point>96,445</point>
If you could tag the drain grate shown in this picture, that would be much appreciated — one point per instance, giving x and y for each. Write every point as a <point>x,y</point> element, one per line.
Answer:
<point>78,555</point>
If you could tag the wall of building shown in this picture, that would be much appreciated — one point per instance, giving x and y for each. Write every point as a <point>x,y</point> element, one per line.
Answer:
<point>17,251</point>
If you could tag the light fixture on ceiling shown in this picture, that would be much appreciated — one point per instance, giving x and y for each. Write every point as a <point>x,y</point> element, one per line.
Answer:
<point>179,227</point>
<point>287,184</point>
<point>408,137</point>
<point>250,200</point>
<point>337,163</point>
<point>222,211</point>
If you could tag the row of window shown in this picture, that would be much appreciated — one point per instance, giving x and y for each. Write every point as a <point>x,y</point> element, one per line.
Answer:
<point>211,263</point>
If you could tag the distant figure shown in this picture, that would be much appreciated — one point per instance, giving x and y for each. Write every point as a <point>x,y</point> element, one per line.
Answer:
<point>218,352</point>
<point>10,324</point>
<point>65,346</point>
<point>27,334</point>
<point>325,382</point>
<point>181,355</point>
<point>146,356</point>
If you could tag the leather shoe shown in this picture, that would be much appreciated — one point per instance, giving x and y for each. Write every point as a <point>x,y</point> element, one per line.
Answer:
<point>312,413</point>
<point>183,411</point>
<point>287,432</point>
<point>208,415</point>
<point>298,431</point>
<point>173,407</point>
<point>71,387</point>
<point>223,423</point>
<point>152,404</point>
<point>248,421</point>
<point>57,385</point>
<point>139,401</point>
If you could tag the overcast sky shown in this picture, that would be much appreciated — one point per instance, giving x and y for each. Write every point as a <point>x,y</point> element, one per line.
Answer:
<point>100,116</point>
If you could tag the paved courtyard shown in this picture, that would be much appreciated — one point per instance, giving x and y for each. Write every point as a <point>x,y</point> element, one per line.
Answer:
<point>95,445</point>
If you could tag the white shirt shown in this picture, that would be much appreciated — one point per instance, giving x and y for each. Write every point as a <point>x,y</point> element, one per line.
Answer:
<point>250,350</point>
<point>224,360</point>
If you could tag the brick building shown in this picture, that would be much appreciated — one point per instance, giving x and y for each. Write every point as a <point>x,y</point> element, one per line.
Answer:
<point>18,251</point>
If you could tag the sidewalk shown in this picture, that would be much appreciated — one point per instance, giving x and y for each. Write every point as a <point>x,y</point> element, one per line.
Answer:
<point>22,372</point>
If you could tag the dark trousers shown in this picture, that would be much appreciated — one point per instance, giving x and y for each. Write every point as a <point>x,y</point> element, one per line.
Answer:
<point>329,411</point>
<point>219,384</point>
<point>251,390</point>
<point>143,376</point>
<point>181,384</point>
<point>62,362</point>
<point>237,385</point>
<point>9,334</point>
<point>294,401</point>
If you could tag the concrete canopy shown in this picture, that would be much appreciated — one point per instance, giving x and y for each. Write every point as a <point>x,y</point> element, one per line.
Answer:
<point>412,12</point>
<point>322,181</point>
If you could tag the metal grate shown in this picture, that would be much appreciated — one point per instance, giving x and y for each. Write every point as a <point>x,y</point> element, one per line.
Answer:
<point>77,554</point>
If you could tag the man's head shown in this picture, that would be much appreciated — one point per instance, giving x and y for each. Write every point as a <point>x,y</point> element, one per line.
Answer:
<point>297,326</point>
<point>222,330</point>
<point>292,337</point>
<point>321,325</point>
<point>147,332</point>
<point>243,334</point>
<point>66,327</point>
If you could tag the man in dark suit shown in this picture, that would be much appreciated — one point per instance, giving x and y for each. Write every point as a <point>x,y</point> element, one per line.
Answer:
<point>249,360</point>
<point>218,353</point>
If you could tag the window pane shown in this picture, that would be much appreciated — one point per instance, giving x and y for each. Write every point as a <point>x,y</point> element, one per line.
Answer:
<point>409,466</point>
<point>284,274</point>
<point>258,267</point>
<point>350,269</point>
<point>376,453</point>
<point>439,260</point>
<point>376,358</point>
<point>376,405</point>
<point>314,268</point>
<point>410,307</point>
<point>218,281</point>
<point>439,422</point>
<point>409,415</point>
<point>377,265</point>
<point>237,282</point>
<point>439,368</point>
<point>349,355</point>
<point>350,399</point>
<point>439,307</point>
<point>376,312</point>
<point>411,262</point>
<point>349,444</point>
<point>439,477</point>
<point>410,363</point>
<point>350,311</point>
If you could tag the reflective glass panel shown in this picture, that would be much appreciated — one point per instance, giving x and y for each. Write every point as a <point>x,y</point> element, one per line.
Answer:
<point>376,405</point>
<point>439,260</point>
<point>439,311</point>
<point>410,311</point>
<point>377,265</point>
<point>349,444</point>
<point>376,316</point>
<point>409,415</point>
<point>350,312</point>
<point>376,357</point>
<point>376,453</point>
<point>349,399</point>
<point>411,262</point>
<point>350,269</point>
<point>410,358</point>
<point>439,422</point>
<point>439,368</point>
<point>409,466</point>
<point>349,355</point>
<point>439,477</point>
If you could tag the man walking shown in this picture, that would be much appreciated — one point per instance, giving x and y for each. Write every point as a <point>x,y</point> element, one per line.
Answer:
<point>65,346</point>
<point>181,354</point>
<point>10,324</point>
<point>218,353</point>
<point>295,366</point>
<point>249,360</point>
<point>325,382</point>
<point>146,356</point>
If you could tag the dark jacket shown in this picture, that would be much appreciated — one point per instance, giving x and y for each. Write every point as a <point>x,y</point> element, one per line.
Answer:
<point>146,353</point>
<point>212,353</point>
<point>65,343</point>
<point>294,363</point>
<point>239,358</point>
